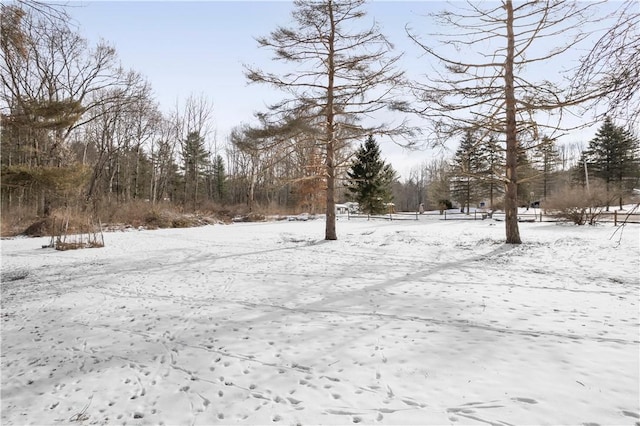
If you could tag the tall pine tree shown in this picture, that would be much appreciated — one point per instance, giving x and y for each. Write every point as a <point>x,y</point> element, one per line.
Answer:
<point>545,160</point>
<point>492,181</point>
<point>468,167</point>
<point>370,178</point>
<point>612,156</point>
<point>217,180</point>
<point>195,158</point>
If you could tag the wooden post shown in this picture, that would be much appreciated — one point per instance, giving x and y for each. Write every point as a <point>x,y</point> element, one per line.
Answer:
<point>615,218</point>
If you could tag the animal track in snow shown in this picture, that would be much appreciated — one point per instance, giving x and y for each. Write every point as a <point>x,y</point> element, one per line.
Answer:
<point>293,401</point>
<point>525,400</point>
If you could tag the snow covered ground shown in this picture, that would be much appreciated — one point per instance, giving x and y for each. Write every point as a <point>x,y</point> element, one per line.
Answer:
<point>404,322</point>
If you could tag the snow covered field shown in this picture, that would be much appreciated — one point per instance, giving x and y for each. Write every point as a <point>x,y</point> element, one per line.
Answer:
<point>412,322</point>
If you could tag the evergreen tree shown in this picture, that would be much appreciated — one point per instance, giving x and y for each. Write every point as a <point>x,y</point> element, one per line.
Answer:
<point>545,159</point>
<point>219,179</point>
<point>527,175</point>
<point>468,167</point>
<point>195,158</point>
<point>370,179</point>
<point>612,156</point>
<point>492,176</point>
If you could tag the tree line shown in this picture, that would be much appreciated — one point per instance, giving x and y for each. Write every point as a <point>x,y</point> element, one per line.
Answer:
<point>472,176</point>
<point>80,132</point>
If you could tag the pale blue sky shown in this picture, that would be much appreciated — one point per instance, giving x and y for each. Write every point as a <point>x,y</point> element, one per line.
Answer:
<point>200,47</point>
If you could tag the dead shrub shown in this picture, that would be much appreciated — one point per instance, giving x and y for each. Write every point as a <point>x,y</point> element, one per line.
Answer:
<point>184,222</point>
<point>82,235</point>
<point>114,216</point>
<point>579,204</point>
<point>74,220</point>
<point>16,219</point>
<point>40,228</point>
<point>154,219</point>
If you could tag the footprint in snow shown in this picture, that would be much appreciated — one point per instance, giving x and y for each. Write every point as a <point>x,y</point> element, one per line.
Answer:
<point>525,400</point>
<point>630,414</point>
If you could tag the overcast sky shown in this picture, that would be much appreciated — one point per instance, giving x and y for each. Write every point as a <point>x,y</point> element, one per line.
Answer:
<point>186,48</point>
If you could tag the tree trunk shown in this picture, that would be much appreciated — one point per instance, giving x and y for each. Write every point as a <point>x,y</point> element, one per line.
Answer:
<point>511,196</point>
<point>491,196</point>
<point>330,225</point>
<point>468,196</point>
<point>46,205</point>
<point>136,176</point>
<point>330,228</point>
<point>252,189</point>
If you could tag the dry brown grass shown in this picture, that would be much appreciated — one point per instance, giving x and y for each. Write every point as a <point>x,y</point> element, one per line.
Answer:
<point>134,214</point>
<point>16,221</point>
<point>112,216</point>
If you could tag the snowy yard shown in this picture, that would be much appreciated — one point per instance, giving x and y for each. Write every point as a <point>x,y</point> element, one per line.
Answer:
<point>413,322</point>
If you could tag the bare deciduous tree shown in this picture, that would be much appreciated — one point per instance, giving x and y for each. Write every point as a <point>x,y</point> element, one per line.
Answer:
<point>341,76</point>
<point>612,66</point>
<point>50,81</point>
<point>483,85</point>
<point>162,151</point>
<point>117,128</point>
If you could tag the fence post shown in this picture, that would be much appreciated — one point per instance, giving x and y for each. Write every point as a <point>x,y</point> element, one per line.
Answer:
<point>445,215</point>
<point>615,218</point>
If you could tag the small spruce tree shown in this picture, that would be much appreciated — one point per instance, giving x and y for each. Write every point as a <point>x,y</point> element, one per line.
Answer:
<point>370,178</point>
